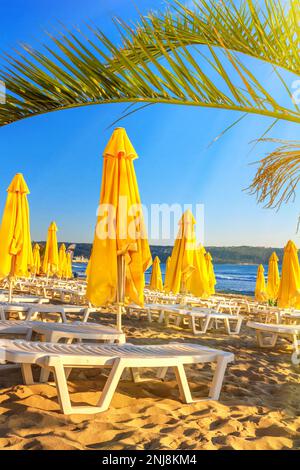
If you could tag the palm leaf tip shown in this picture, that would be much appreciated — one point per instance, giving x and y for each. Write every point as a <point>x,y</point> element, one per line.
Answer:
<point>278,174</point>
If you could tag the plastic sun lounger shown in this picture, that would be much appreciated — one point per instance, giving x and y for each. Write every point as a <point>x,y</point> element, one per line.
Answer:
<point>24,299</point>
<point>59,358</point>
<point>201,319</point>
<point>53,332</point>
<point>267,335</point>
<point>25,311</point>
<point>32,311</point>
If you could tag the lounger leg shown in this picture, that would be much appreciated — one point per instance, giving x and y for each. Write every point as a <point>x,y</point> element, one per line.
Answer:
<point>295,355</point>
<point>266,341</point>
<point>135,375</point>
<point>204,326</point>
<point>238,326</point>
<point>236,330</point>
<point>111,384</point>
<point>68,371</point>
<point>106,395</point>
<point>162,372</point>
<point>161,317</point>
<point>149,316</point>
<point>227,326</point>
<point>86,315</point>
<point>183,385</point>
<point>62,389</point>
<point>27,374</point>
<point>215,389</point>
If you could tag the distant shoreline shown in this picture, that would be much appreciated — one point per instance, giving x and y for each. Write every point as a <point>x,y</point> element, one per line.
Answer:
<point>240,255</point>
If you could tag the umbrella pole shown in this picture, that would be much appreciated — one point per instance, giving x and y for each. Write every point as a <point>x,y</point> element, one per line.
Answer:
<point>11,278</point>
<point>120,289</point>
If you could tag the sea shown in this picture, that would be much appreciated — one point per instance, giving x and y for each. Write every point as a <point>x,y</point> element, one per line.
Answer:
<point>231,278</point>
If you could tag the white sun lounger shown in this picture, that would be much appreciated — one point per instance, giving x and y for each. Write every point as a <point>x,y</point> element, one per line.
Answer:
<point>267,335</point>
<point>202,319</point>
<point>59,358</point>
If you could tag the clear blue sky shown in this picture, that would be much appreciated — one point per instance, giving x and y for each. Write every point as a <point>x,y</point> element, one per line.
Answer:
<point>60,153</point>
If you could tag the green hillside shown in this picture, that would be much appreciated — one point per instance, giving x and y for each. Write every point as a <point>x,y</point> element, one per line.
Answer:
<point>221,255</point>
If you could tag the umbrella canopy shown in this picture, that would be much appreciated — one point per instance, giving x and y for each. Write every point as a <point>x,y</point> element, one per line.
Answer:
<point>167,271</point>
<point>289,289</point>
<point>121,252</point>
<point>211,273</point>
<point>273,277</point>
<point>36,259</point>
<point>62,259</point>
<point>199,281</point>
<point>156,282</point>
<point>16,251</point>
<point>260,287</point>
<point>185,271</point>
<point>51,258</point>
<point>68,274</point>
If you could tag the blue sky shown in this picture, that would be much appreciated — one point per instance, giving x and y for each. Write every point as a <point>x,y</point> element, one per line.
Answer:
<point>60,153</point>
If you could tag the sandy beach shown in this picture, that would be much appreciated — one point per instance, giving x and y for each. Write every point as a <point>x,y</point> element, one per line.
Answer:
<point>259,406</point>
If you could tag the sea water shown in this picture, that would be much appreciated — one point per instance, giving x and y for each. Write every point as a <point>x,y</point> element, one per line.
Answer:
<point>235,278</point>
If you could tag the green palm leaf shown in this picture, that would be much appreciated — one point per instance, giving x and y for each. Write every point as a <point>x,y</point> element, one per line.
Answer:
<point>158,63</point>
<point>184,56</point>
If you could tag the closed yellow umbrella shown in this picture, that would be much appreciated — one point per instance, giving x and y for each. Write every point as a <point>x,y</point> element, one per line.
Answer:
<point>260,287</point>
<point>156,282</point>
<point>62,257</point>
<point>36,259</point>
<point>184,271</point>
<point>211,273</point>
<point>199,281</point>
<point>51,258</point>
<point>68,266</point>
<point>168,262</point>
<point>15,241</point>
<point>273,277</point>
<point>289,289</point>
<point>121,252</point>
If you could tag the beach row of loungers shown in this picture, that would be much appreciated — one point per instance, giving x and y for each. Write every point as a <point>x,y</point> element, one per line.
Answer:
<point>115,354</point>
<point>99,346</point>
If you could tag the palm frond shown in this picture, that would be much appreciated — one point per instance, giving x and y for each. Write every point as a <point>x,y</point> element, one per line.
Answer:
<point>278,174</point>
<point>159,61</point>
<point>267,30</point>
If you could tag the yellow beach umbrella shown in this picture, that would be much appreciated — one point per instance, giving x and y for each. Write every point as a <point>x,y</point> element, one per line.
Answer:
<point>289,289</point>
<point>211,273</point>
<point>156,282</point>
<point>62,258</point>
<point>182,258</point>
<point>68,266</point>
<point>121,252</point>
<point>15,241</point>
<point>273,277</point>
<point>51,258</point>
<point>260,287</point>
<point>199,281</point>
<point>36,259</point>
<point>168,262</point>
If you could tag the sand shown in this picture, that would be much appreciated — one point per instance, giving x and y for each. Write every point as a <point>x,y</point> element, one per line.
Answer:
<point>259,406</point>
